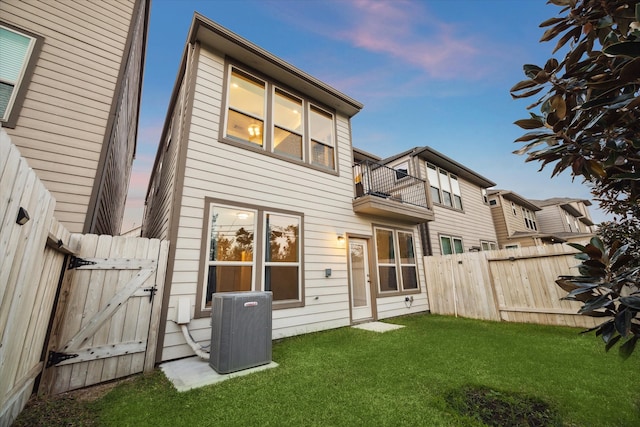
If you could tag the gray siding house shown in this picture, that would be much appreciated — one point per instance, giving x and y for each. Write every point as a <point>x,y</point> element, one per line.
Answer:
<point>254,185</point>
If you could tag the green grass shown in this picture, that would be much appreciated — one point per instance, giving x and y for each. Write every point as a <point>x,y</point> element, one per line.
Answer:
<point>351,377</point>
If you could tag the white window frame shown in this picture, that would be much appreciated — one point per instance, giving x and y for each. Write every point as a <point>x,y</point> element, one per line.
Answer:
<point>402,171</point>
<point>487,245</point>
<point>529,219</point>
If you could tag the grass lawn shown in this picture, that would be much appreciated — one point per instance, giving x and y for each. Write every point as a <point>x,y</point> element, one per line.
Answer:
<point>351,377</point>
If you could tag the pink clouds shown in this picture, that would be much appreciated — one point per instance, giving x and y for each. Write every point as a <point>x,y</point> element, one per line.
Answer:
<point>405,31</point>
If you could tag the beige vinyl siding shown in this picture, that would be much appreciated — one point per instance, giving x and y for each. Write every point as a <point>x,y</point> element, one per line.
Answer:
<point>163,182</point>
<point>110,193</point>
<point>499,221</point>
<point>69,97</point>
<point>551,219</point>
<point>473,224</point>
<point>236,175</point>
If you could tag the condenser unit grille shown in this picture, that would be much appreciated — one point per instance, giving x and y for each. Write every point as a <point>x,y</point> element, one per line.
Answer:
<point>240,330</point>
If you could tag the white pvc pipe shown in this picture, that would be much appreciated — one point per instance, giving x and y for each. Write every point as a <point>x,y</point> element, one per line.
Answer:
<point>197,348</point>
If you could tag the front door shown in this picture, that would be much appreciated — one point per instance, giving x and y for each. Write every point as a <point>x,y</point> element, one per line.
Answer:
<point>359,279</point>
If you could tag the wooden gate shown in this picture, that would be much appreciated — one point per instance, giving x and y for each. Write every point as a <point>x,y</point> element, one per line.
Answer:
<point>106,324</point>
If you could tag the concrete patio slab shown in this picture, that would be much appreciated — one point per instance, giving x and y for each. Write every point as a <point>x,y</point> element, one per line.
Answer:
<point>378,326</point>
<point>194,372</point>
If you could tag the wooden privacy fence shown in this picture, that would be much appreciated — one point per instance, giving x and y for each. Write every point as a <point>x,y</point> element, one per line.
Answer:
<point>29,275</point>
<point>107,308</point>
<point>515,285</point>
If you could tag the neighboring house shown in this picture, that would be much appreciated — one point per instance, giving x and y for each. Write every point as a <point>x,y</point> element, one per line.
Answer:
<point>253,184</point>
<point>565,217</point>
<point>516,221</point>
<point>462,218</point>
<point>70,83</point>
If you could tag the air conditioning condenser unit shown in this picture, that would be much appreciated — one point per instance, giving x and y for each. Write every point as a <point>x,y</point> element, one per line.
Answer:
<point>240,330</point>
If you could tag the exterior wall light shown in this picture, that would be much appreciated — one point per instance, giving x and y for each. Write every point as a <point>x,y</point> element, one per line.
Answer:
<point>340,241</point>
<point>23,216</point>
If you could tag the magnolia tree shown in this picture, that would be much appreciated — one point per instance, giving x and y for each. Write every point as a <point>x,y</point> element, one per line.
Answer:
<point>585,118</point>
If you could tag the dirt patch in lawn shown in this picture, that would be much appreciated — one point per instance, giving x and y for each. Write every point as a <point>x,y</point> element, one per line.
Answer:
<point>503,409</point>
<point>72,409</point>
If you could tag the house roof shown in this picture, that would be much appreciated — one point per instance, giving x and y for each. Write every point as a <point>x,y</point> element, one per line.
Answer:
<point>553,238</point>
<point>359,154</point>
<point>227,42</point>
<point>564,203</point>
<point>439,159</point>
<point>516,198</point>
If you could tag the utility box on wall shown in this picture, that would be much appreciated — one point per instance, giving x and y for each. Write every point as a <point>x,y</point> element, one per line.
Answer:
<point>240,330</point>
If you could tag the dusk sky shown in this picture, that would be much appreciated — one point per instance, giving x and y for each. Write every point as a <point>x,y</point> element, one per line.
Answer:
<point>431,72</point>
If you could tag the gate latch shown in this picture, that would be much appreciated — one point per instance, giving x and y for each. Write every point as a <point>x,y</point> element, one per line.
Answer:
<point>56,357</point>
<point>152,291</point>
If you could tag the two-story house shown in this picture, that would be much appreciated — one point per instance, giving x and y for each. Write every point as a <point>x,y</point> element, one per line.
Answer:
<point>254,185</point>
<point>462,217</point>
<point>566,217</point>
<point>516,221</point>
<point>70,84</point>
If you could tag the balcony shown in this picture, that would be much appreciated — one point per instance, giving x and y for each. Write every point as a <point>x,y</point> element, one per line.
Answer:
<point>390,193</point>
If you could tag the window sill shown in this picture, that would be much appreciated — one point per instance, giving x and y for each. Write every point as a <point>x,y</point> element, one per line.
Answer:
<point>398,293</point>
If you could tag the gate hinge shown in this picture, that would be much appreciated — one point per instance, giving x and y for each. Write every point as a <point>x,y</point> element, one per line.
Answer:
<point>76,262</point>
<point>56,357</point>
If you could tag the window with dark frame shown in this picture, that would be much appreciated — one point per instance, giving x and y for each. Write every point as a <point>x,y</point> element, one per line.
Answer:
<point>289,126</point>
<point>444,187</point>
<point>18,48</point>
<point>396,260</point>
<point>234,233</point>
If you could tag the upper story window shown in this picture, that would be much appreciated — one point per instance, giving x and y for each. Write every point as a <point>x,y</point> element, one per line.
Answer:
<point>18,56</point>
<point>402,170</point>
<point>566,215</point>
<point>513,209</point>
<point>529,219</point>
<point>265,116</point>
<point>444,186</point>
<point>485,198</point>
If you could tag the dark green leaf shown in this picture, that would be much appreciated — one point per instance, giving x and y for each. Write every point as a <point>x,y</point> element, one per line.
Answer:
<point>596,303</point>
<point>577,246</point>
<point>529,123</point>
<point>531,70</point>
<point>623,322</point>
<point>533,135</point>
<point>551,21</point>
<point>608,330</point>
<point>632,302</point>
<point>524,84</point>
<point>631,49</point>
<point>627,348</point>
<point>597,242</point>
<point>612,342</point>
<point>526,94</point>
<point>573,34</point>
